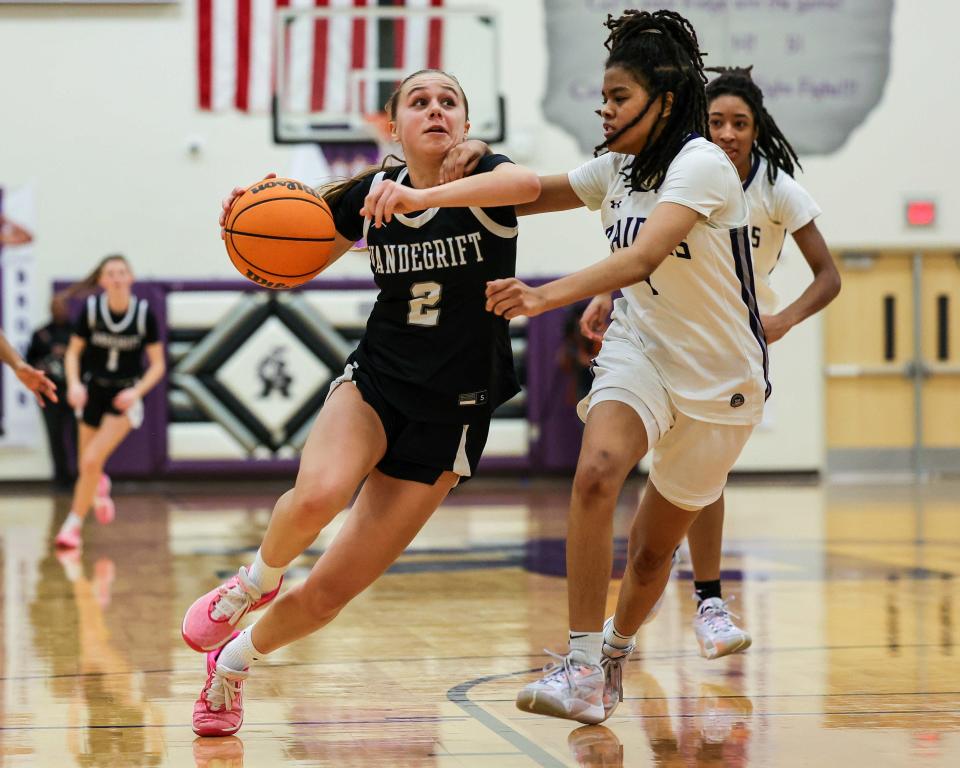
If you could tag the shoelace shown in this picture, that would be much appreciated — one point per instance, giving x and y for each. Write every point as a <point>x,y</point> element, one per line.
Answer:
<point>560,672</point>
<point>236,600</point>
<point>718,617</point>
<point>224,690</point>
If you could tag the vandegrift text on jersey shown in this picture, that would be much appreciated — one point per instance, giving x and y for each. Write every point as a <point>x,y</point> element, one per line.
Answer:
<point>454,251</point>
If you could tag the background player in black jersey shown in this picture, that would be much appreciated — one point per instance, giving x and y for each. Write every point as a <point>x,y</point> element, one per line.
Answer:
<point>48,345</point>
<point>112,332</point>
<point>409,417</point>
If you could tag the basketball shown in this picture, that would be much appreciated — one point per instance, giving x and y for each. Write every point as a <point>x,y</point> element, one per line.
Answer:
<point>280,233</point>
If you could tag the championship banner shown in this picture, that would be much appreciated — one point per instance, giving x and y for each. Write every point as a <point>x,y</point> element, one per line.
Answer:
<point>821,64</point>
<point>19,422</point>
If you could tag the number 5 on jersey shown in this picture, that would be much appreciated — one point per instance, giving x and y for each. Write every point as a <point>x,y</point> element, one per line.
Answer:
<point>423,304</point>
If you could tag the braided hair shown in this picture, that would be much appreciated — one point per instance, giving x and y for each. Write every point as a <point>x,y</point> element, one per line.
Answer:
<point>661,52</point>
<point>770,144</point>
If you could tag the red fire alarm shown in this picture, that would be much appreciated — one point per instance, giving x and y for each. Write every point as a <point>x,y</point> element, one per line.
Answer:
<point>921,213</point>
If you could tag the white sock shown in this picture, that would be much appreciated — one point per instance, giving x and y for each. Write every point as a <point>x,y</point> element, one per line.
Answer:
<point>72,521</point>
<point>614,638</point>
<point>239,653</point>
<point>586,646</point>
<point>266,577</point>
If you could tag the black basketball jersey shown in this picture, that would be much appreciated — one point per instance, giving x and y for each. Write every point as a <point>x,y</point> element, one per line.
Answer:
<point>115,343</point>
<point>430,343</point>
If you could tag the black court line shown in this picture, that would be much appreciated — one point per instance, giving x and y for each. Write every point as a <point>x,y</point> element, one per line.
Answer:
<point>458,695</point>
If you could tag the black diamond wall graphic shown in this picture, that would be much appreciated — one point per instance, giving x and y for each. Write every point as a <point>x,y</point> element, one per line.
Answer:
<point>264,371</point>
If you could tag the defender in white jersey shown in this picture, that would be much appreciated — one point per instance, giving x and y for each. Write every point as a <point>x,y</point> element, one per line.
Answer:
<point>682,368</point>
<point>765,162</point>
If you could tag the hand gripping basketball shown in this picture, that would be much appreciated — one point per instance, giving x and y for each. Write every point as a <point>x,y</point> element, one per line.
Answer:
<point>279,233</point>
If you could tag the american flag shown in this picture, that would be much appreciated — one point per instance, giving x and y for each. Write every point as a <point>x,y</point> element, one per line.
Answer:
<point>235,56</point>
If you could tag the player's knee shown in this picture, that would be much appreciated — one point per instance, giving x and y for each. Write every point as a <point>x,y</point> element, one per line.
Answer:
<point>91,464</point>
<point>645,562</point>
<point>597,475</point>
<point>319,499</point>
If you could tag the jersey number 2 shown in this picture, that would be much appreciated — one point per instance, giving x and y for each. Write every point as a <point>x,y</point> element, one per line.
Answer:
<point>423,304</point>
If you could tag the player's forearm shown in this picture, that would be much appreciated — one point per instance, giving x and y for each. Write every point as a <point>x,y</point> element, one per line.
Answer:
<point>508,187</point>
<point>620,269</point>
<point>71,366</point>
<point>151,377</point>
<point>8,354</point>
<point>823,290</point>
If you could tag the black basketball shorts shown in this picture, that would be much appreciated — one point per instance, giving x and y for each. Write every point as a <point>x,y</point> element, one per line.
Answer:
<point>100,402</point>
<point>418,450</point>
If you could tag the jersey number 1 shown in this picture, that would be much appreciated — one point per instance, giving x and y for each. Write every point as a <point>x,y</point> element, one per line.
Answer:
<point>423,305</point>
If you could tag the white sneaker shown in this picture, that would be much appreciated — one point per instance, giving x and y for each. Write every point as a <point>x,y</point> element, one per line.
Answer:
<point>612,662</point>
<point>659,604</point>
<point>716,633</point>
<point>570,688</point>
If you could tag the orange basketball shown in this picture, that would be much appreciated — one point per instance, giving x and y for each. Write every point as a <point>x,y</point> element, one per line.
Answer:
<point>279,233</point>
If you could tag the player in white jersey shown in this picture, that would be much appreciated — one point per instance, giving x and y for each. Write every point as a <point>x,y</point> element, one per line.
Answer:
<point>741,126</point>
<point>765,162</point>
<point>682,367</point>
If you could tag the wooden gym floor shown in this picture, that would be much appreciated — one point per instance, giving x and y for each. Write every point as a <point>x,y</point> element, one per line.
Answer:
<point>849,592</point>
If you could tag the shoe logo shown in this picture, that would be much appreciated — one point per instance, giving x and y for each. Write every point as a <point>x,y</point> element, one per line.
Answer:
<point>737,400</point>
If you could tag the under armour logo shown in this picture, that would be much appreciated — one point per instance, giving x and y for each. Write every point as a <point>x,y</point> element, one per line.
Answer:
<point>273,374</point>
<point>615,203</point>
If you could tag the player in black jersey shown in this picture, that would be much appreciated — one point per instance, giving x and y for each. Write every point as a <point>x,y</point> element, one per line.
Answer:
<point>409,417</point>
<point>113,331</point>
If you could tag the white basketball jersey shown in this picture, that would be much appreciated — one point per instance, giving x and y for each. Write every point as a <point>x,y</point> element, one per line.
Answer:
<point>775,210</point>
<point>696,318</point>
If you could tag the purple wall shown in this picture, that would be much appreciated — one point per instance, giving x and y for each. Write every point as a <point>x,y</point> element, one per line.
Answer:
<point>551,399</point>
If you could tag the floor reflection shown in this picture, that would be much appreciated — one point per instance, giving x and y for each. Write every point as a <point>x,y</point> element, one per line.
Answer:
<point>218,752</point>
<point>849,595</point>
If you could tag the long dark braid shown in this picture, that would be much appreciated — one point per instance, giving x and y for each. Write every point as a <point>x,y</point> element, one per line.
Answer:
<point>771,143</point>
<point>660,50</point>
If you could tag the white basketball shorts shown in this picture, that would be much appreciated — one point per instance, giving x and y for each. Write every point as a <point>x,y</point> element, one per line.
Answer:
<point>691,458</point>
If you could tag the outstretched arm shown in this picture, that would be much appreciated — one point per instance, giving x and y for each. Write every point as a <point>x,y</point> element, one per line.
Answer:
<point>823,289</point>
<point>556,194</point>
<point>667,226</point>
<point>507,184</point>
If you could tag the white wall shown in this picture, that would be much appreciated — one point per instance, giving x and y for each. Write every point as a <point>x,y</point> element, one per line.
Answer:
<point>99,104</point>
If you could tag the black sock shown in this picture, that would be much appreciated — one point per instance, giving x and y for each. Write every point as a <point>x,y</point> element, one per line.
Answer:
<point>707,589</point>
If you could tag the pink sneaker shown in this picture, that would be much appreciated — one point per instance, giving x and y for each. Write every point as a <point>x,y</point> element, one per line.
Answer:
<point>210,621</point>
<point>104,510</point>
<point>68,539</point>
<point>219,710</point>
